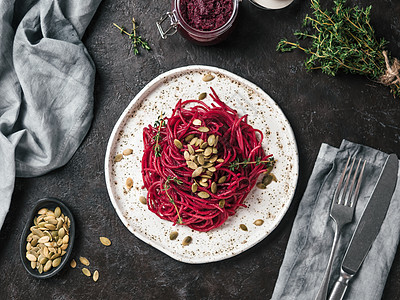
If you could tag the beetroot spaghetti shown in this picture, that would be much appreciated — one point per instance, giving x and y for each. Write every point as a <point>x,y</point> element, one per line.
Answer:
<point>200,164</point>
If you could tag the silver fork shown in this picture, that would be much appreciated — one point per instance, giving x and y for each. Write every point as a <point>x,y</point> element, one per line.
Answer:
<point>342,211</point>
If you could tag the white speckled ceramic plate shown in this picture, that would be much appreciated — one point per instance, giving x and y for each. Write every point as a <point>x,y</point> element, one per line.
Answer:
<point>270,205</point>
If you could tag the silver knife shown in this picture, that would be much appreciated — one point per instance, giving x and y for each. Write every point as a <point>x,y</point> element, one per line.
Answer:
<point>368,227</point>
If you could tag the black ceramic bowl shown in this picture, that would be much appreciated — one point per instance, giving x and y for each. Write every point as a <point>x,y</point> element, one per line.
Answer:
<point>49,203</point>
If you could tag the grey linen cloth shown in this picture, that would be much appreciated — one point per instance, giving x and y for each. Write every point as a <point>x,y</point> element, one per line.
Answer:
<point>46,87</point>
<point>312,234</point>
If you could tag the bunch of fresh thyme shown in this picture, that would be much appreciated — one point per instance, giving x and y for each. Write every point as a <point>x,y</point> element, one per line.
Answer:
<point>136,40</point>
<point>235,164</point>
<point>343,39</point>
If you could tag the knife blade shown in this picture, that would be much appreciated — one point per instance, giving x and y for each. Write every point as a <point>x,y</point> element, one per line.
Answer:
<point>368,226</point>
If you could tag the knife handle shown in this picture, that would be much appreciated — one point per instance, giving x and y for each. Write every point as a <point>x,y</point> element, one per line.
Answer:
<point>340,287</point>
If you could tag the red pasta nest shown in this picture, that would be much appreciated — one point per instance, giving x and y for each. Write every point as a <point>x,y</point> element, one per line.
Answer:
<point>168,178</point>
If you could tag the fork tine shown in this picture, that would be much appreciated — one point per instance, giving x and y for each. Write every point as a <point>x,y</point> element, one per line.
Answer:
<point>348,201</point>
<point>339,186</point>
<point>342,199</point>
<point>357,191</point>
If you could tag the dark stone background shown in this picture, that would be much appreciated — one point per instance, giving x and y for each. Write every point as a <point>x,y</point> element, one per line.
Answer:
<point>321,109</point>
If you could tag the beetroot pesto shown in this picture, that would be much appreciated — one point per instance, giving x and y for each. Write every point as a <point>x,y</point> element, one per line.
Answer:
<point>206,15</point>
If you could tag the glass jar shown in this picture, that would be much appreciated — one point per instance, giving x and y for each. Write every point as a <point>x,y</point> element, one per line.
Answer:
<point>197,36</point>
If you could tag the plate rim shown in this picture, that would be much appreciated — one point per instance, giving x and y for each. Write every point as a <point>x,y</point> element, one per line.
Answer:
<point>122,117</point>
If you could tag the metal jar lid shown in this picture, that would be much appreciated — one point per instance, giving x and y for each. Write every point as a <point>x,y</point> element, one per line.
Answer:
<point>271,4</point>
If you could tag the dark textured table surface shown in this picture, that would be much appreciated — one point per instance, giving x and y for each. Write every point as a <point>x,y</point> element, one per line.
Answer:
<point>321,109</point>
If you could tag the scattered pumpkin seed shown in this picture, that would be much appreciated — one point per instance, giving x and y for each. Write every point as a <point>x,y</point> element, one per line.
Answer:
<point>198,142</point>
<point>95,276</point>
<point>261,185</point>
<point>267,179</point>
<point>42,211</point>
<point>220,160</point>
<point>258,222</point>
<point>173,235</point>
<point>178,144</point>
<point>48,265</point>
<point>129,183</point>
<point>118,157</point>
<point>203,195</point>
<point>73,263</point>
<point>203,129</point>
<point>197,122</point>
<point>194,187</point>
<point>221,203</point>
<point>202,96</point>
<point>222,179</point>
<point>214,150</point>
<point>200,159</point>
<point>243,227</point>
<point>56,262</point>
<point>127,152</point>
<point>86,272</point>
<point>211,140</point>
<point>187,240</point>
<point>213,159</point>
<point>84,261</point>
<point>193,141</point>
<point>105,241</point>
<point>212,169</point>
<point>143,199</point>
<point>31,257</point>
<point>208,77</point>
<point>213,187</point>
<point>204,145</point>
<point>189,138</point>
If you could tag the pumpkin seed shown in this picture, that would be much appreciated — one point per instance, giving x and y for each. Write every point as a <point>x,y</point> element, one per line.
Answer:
<point>199,150</point>
<point>173,235</point>
<point>258,222</point>
<point>261,185</point>
<point>50,226</point>
<point>204,183</point>
<point>187,240</point>
<point>212,169</point>
<point>203,129</point>
<point>86,272</point>
<point>213,187</point>
<point>208,151</point>
<point>56,262</point>
<point>221,203</point>
<point>178,144</point>
<point>43,239</point>
<point>42,211</point>
<point>197,172</point>
<point>186,155</point>
<point>194,187</point>
<point>129,183</point>
<point>205,176</point>
<point>65,239</point>
<point>127,152</point>
<point>73,263</point>
<point>267,179</point>
<point>203,195</point>
<point>40,268</point>
<point>191,150</point>
<point>202,96</point>
<point>118,157</point>
<point>197,122</point>
<point>208,77</point>
<point>243,227</point>
<point>211,140</point>
<point>84,261</point>
<point>193,141</point>
<point>57,212</point>
<point>191,165</point>
<point>189,138</point>
<point>200,159</point>
<point>33,264</point>
<point>95,276</point>
<point>48,265</point>
<point>220,160</point>
<point>269,169</point>
<point>214,150</point>
<point>213,159</point>
<point>31,257</point>
<point>105,241</point>
<point>143,199</point>
<point>198,142</point>
<point>204,145</point>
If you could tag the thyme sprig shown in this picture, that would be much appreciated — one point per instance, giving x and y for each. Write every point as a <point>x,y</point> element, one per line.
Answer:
<point>160,122</point>
<point>167,186</point>
<point>237,163</point>
<point>136,40</point>
<point>343,39</point>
